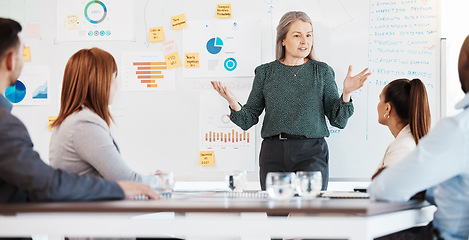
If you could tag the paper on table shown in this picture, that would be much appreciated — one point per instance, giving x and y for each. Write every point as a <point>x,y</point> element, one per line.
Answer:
<point>343,194</point>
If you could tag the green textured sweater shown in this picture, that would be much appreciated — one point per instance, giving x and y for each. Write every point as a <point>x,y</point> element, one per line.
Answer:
<point>294,104</point>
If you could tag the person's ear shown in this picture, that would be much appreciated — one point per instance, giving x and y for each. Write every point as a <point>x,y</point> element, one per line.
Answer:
<point>10,60</point>
<point>387,110</point>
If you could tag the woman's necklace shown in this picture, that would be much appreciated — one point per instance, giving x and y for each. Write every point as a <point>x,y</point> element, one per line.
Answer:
<point>294,74</point>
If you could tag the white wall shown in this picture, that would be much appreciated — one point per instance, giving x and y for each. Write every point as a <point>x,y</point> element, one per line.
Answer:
<point>455,28</point>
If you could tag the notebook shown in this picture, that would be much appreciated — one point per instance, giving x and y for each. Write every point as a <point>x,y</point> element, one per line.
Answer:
<point>343,194</point>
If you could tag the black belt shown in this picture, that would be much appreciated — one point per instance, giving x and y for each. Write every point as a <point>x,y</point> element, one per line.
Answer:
<point>285,136</point>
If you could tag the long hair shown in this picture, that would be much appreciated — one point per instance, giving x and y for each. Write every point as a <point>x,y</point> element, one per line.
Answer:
<point>410,100</point>
<point>283,28</point>
<point>9,30</point>
<point>87,82</point>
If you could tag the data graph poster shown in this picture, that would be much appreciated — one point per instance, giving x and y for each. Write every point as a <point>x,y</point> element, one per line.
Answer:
<point>146,71</point>
<point>226,48</point>
<point>93,20</point>
<point>31,88</point>
<point>234,148</point>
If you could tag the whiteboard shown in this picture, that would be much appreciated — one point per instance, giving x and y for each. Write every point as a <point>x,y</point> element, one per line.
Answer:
<point>162,129</point>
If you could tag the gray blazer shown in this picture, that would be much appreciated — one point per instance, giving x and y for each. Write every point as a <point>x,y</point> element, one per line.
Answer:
<point>83,144</point>
<point>25,177</point>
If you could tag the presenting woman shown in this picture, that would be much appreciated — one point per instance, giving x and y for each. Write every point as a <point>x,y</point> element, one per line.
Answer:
<point>297,93</point>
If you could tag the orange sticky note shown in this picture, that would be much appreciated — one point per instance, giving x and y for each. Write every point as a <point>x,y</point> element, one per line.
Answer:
<point>224,10</point>
<point>191,60</point>
<point>179,21</point>
<point>27,53</point>
<point>49,124</point>
<point>156,34</point>
<point>207,158</point>
<point>172,60</point>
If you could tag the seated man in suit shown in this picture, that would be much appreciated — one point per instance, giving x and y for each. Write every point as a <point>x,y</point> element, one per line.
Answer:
<point>23,175</point>
<point>440,163</point>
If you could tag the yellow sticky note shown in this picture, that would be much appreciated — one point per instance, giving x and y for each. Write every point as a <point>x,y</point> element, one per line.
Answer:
<point>207,158</point>
<point>27,53</point>
<point>179,21</point>
<point>172,60</point>
<point>156,34</point>
<point>51,120</point>
<point>191,60</point>
<point>72,21</point>
<point>224,10</point>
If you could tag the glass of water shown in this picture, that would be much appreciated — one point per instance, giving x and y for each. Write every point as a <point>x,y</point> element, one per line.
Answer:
<point>236,181</point>
<point>280,185</point>
<point>308,184</point>
<point>163,183</point>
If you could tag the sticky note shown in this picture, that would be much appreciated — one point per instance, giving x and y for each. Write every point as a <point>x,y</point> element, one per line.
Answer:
<point>172,60</point>
<point>27,53</point>
<point>207,158</point>
<point>156,34</point>
<point>33,30</point>
<point>169,47</point>
<point>179,21</point>
<point>72,21</point>
<point>51,120</point>
<point>191,60</point>
<point>224,10</point>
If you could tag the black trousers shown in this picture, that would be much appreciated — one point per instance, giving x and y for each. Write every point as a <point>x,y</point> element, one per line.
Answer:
<point>292,155</point>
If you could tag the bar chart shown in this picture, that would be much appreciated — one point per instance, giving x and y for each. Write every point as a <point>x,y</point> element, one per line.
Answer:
<point>146,71</point>
<point>233,147</point>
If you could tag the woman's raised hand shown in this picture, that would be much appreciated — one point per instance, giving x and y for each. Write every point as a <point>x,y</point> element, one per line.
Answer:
<point>226,94</point>
<point>354,83</point>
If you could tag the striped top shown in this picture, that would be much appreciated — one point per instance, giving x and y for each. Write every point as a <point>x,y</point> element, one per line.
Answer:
<point>294,104</point>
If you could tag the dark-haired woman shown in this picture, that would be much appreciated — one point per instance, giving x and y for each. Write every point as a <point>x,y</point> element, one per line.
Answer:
<point>403,107</point>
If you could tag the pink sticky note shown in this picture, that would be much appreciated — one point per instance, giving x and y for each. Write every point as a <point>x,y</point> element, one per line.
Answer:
<point>33,30</point>
<point>169,47</point>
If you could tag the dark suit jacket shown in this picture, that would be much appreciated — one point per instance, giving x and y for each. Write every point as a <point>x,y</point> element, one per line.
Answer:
<point>25,177</point>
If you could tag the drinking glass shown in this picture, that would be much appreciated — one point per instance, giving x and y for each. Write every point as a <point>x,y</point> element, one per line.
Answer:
<point>236,181</point>
<point>280,185</point>
<point>163,183</point>
<point>308,183</point>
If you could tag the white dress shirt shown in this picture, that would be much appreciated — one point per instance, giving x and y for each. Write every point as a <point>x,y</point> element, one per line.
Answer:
<point>441,160</point>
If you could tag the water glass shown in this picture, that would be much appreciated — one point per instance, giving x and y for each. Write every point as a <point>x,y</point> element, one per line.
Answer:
<point>164,182</point>
<point>280,185</point>
<point>308,184</point>
<point>236,181</point>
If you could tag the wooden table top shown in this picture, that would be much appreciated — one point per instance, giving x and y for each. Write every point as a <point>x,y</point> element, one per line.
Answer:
<point>365,207</point>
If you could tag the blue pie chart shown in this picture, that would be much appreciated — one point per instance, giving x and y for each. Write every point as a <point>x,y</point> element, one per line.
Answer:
<point>214,45</point>
<point>230,64</point>
<point>16,93</point>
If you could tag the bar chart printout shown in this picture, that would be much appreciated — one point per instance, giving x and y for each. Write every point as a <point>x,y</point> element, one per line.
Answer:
<point>234,148</point>
<point>146,71</point>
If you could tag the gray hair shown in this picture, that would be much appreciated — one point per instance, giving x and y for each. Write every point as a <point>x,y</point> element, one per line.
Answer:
<point>282,30</point>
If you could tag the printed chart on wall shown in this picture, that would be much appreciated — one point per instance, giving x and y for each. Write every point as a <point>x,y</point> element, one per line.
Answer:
<point>93,20</point>
<point>233,147</point>
<point>31,88</point>
<point>146,71</point>
<point>226,48</point>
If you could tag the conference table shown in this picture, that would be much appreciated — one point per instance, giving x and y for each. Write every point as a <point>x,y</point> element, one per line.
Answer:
<point>202,217</point>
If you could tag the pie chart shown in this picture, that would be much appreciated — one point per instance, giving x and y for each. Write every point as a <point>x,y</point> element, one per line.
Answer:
<point>16,93</point>
<point>230,64</point>
<point>95,11</point>
<point>214,45</point>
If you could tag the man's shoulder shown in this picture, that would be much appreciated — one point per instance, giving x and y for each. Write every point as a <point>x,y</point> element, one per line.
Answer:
<point>7,120</point>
